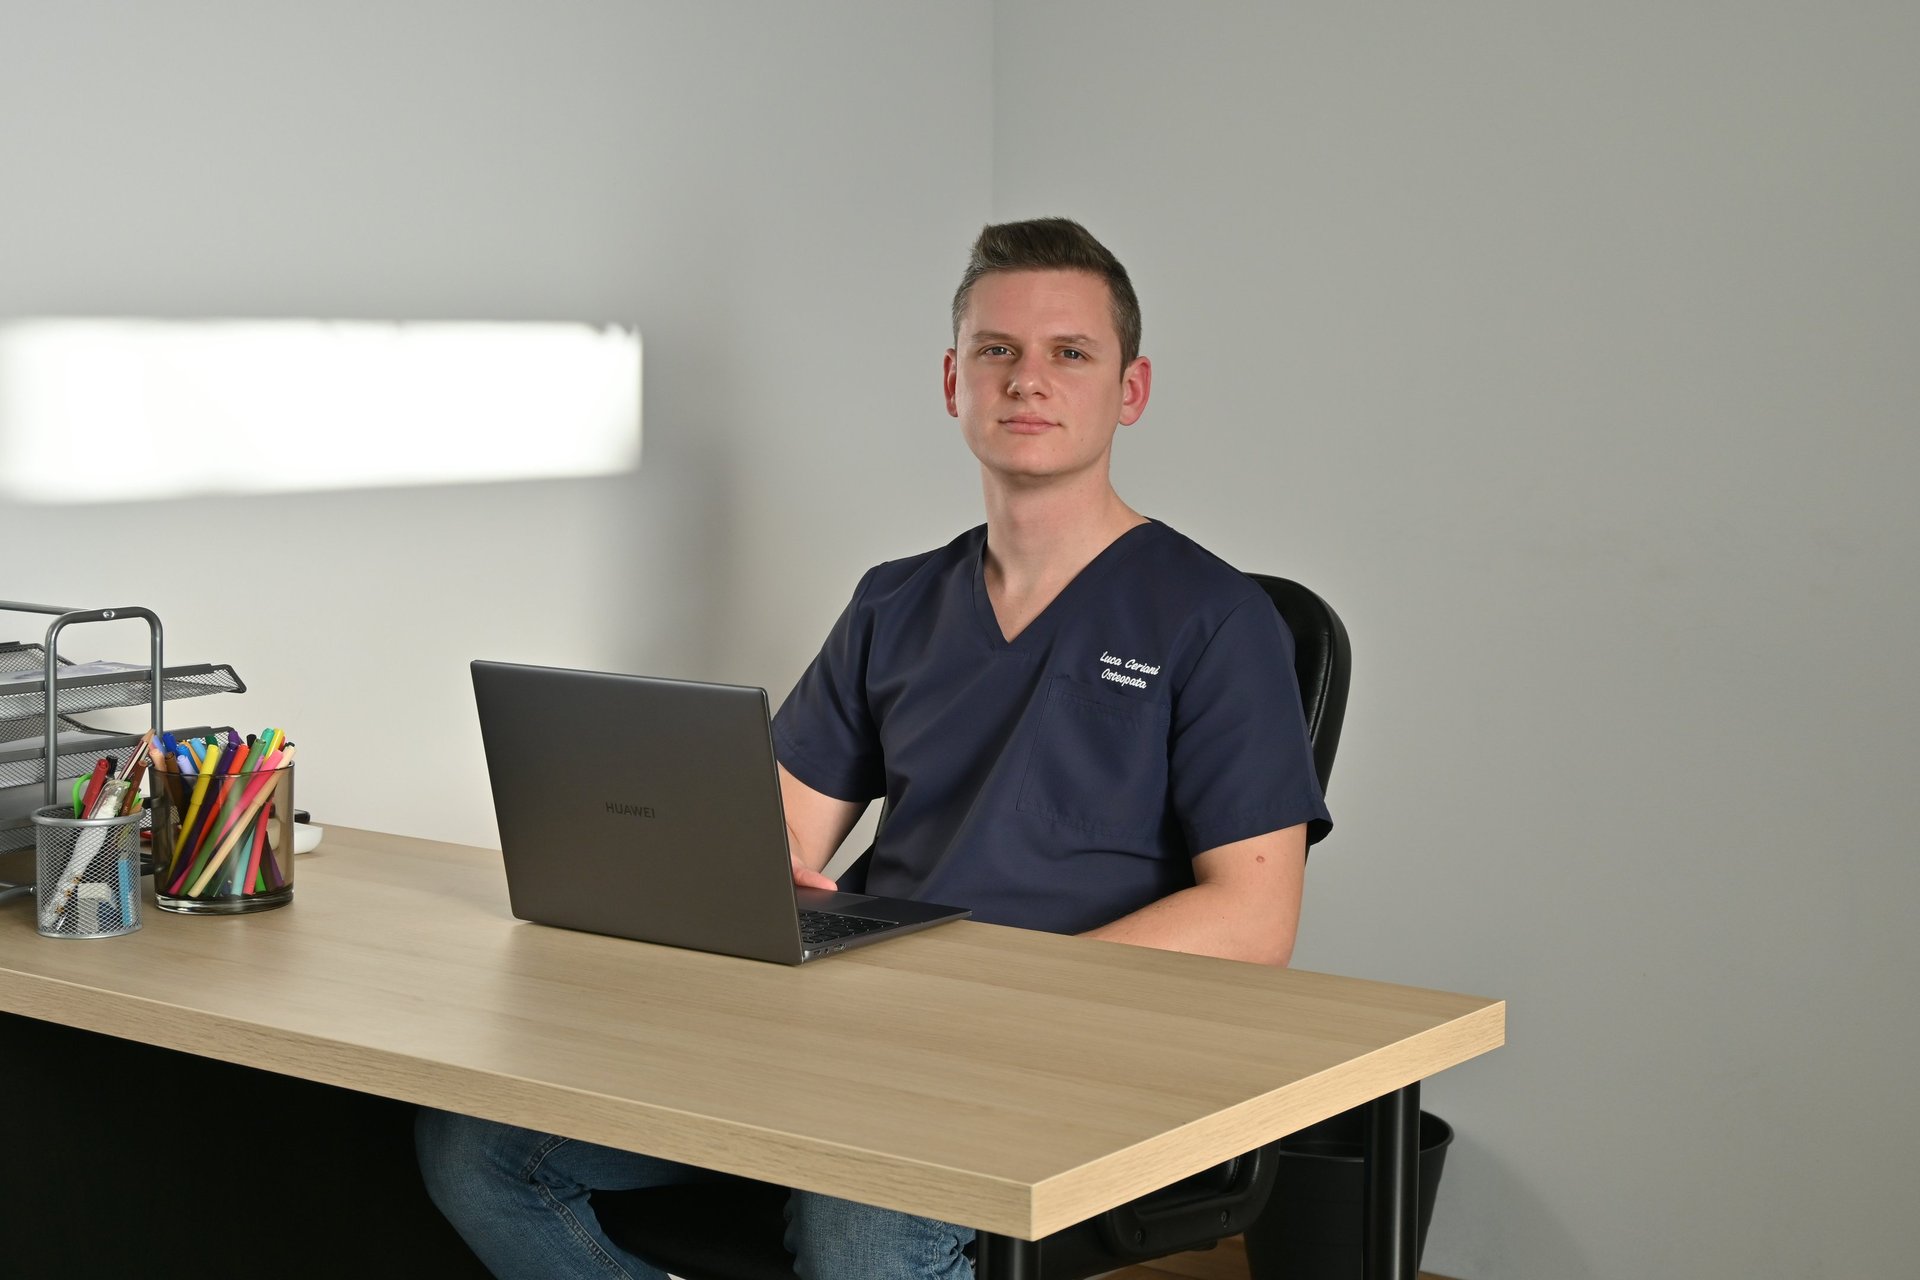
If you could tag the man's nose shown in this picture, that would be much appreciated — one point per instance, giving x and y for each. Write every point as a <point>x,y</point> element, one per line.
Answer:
<point>1026,378</point>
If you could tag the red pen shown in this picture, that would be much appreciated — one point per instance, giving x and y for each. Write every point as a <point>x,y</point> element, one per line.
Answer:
<point>101,768</point>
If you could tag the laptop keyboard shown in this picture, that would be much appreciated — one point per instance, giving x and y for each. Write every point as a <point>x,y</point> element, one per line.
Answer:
<point>818,927</point>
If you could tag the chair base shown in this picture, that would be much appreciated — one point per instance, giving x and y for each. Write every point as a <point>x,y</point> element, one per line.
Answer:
<point>678,1229</point>
<point>736,1231</point>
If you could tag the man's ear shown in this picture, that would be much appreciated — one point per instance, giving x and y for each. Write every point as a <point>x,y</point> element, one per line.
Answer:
<point>950,373</point>
<point>1136,384</point>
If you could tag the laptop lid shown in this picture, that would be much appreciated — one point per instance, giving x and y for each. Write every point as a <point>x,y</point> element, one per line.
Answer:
<point>639,807</point>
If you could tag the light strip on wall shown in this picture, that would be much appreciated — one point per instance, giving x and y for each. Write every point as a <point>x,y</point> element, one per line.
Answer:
<point>126,410</point>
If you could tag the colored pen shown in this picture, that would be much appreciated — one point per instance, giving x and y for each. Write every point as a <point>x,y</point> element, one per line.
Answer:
<point>222,765</point>
<point>256,796</point>
<point>246,791</point>
<point>101,768</point>
<point>193,810</point>
<point>254,882</point>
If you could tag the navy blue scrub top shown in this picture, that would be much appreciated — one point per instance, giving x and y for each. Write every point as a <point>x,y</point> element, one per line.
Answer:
<point>1065,778</point>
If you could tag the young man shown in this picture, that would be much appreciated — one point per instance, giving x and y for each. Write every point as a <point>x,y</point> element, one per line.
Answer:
<point>1079,719</point>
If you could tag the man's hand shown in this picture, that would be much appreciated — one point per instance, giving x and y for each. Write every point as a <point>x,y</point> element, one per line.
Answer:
<point>807,878</point>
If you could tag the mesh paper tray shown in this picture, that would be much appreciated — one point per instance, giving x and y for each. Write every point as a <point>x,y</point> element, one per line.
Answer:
<point>21,657</point>
<point>22,763</point>
<point>33,729</point>
<point>23,771</point>
<point>98,692</point>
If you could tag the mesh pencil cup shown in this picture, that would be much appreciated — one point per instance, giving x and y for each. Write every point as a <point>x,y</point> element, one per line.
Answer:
<point>223,844</point>
<point>87,873</point>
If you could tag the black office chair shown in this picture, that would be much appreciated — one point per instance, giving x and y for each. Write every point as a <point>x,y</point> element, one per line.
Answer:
<point>733,1229</point>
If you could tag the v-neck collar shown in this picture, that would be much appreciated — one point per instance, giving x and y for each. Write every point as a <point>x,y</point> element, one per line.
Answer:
<point>1045,621</point>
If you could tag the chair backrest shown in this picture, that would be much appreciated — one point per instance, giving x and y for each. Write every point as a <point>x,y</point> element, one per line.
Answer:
<point>1322,662</point>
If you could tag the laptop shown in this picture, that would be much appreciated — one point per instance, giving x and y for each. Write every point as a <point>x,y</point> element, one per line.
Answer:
<point>650,809</point>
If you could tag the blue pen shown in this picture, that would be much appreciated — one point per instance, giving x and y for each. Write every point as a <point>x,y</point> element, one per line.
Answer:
<point>126,892</point>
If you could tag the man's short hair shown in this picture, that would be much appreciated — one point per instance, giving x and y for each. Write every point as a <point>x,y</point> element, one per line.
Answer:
<point>1053,244</point>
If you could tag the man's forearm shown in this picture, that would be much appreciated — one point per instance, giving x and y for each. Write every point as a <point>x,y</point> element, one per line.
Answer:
<point>816,825</point>
<point>1210,920</point>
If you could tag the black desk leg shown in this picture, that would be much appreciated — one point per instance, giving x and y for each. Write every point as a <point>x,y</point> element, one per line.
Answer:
<point>1005,1258</point>
<point>1393,1185</point>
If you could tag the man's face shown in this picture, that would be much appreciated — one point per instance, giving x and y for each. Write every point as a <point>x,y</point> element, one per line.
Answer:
<point>1036,379</point>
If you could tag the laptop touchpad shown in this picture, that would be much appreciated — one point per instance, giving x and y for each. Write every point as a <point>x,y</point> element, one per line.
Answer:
<point>846,904</point>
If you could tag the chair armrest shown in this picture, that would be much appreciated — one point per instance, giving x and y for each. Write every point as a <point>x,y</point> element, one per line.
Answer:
<point>1193,1213</point>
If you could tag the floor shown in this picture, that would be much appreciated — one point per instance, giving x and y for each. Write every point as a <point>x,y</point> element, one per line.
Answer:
<point>1227,1262</point>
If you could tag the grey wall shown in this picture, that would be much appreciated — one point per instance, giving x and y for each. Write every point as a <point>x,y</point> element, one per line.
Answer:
<point>1563,348</point>
<point>1571,351</point>
<point>776,196</point>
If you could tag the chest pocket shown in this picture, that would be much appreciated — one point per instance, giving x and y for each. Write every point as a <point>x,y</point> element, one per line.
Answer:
<point>1099,762</point>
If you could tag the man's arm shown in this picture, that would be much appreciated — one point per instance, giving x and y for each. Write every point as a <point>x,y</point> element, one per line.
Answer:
<point>816,824</point>
<point>1244,904</point>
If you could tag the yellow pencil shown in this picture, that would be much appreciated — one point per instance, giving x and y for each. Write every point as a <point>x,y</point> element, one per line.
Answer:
<point>193,804</point>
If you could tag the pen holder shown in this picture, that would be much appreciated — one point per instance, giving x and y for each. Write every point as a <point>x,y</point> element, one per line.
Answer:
<point>87,881</point>
<point>223,844</point>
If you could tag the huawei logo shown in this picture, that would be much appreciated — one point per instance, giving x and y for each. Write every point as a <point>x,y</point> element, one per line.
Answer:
<point>630,810</point>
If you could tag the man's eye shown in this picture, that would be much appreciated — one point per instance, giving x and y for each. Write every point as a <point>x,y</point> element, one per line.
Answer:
<point>997,351</point>
<point>1073,353</point>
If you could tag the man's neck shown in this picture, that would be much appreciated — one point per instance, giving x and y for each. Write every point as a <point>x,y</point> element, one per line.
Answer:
<point>1039,538</point>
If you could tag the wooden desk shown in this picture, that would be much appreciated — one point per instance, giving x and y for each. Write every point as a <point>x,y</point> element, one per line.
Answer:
<point>1012,1081</point>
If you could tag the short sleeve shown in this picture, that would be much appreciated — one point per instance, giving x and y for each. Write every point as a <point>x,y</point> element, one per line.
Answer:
<point>1240,762</point>
<point>824,733</point>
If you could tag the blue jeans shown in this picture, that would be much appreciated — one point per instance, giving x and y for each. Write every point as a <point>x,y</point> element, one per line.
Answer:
<point>520,1200</point>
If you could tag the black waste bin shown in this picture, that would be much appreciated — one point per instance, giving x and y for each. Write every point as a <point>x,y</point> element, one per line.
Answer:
<point>1311,1227</point>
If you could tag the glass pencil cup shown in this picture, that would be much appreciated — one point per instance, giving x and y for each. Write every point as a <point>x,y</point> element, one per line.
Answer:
<point>87,873</point>
<point>223,844</point>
